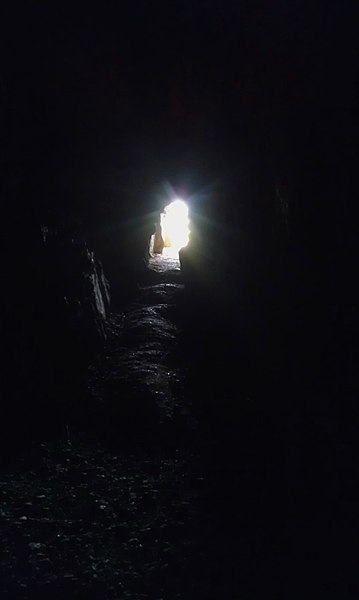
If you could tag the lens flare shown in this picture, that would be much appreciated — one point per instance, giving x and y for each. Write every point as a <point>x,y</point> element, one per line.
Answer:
<point>175,228</point>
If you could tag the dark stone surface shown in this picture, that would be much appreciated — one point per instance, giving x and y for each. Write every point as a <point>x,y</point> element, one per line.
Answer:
<point>54,316</point>
<point>248,114</point>
<point>193,477</point>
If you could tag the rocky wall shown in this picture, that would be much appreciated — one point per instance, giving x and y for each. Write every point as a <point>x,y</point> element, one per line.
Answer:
<point>54,313</point>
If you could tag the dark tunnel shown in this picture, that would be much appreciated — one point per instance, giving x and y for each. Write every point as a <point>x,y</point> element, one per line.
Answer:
<point>179,412</point>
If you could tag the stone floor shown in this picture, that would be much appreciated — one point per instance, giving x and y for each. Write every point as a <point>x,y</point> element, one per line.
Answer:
<point>81,519</point>
<point>181,477</point>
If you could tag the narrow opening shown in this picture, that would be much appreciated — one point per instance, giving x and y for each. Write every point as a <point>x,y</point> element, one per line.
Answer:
<point>172,232</point>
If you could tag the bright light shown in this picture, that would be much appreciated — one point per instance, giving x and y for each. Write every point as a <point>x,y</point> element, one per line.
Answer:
<point>175,231</point>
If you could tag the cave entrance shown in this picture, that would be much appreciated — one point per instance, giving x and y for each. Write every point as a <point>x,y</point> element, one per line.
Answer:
<point>172,232</point>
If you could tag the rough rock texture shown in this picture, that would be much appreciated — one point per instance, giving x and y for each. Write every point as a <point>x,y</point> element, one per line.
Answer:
<point>135,388</point>
<point>53,321</point>
<point>238,502</point>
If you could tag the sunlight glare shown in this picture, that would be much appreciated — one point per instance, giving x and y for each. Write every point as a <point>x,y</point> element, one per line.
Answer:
<point>175,228</point>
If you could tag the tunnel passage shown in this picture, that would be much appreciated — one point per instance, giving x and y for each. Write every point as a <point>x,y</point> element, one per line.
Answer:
<point>172,230</point>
